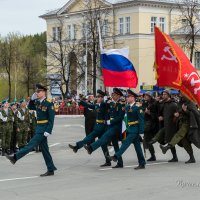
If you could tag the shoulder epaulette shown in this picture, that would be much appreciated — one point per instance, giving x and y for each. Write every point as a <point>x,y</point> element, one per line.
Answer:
<point>49,100</point>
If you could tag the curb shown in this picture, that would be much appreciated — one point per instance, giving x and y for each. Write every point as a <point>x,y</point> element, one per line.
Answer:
<point>69,116</point>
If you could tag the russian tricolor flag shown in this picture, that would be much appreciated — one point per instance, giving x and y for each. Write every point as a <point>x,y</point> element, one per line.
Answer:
<point>118,71</point>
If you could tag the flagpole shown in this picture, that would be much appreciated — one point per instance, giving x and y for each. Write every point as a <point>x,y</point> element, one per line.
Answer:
<point>100,39</point>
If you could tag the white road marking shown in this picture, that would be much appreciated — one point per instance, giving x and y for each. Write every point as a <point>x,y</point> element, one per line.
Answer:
<point>52,145</point>
<point>74,125</point>
<point>22,178</point>
<point>131,166</point>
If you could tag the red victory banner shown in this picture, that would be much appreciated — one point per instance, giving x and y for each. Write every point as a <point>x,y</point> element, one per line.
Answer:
<point>174,68</point>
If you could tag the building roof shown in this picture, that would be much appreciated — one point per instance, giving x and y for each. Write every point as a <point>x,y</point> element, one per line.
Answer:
<point>185,30</point>
<point>113,2</point>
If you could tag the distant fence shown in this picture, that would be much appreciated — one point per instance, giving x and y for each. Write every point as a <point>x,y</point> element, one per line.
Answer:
<point>69,111</point>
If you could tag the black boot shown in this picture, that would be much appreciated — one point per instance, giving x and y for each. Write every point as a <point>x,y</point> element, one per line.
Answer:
<point>48,173</point>
<point>152,158</point>
<point>165,148</point>
<point>140,167</point>
<point>175,158</point>
<point>118,166</point>
<point>74,148</point>
<point>152,152</point>
<point>88,148</point>
<point>106,164</point>
<point>3,152</point>
<point>191,160</point>
<point>12,158</point>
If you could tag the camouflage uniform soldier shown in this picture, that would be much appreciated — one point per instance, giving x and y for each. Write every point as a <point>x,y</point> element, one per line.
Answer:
<point>23,124</point>
<point>1,127</point>
<point>7,127</point>
<point>15,125</point>
<point>33,123</point>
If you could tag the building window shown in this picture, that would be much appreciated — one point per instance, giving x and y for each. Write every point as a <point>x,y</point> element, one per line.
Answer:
<point>158,21</point>
<point>71,32</point>
<point>85,30</point>
<point>153,23</point>
<point>162,23</point>
<point>127,25</point>
<point>121,26</point>
<point>105,28</point>
<point>197,60</point>
<point>124,25</point>
<point>69,36</point>
<point>56,33</point>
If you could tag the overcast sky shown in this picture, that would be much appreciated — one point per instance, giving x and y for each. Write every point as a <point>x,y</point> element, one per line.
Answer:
<point>22,15</point>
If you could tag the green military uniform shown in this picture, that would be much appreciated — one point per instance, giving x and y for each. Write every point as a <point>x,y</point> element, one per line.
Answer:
<point>1,128</point>
<point>99,128</point>
<point>7,128</point>
<point>116,115</point>
<point>23,126</point>
<point>14,133</point>
<point>45,122</point>
<point>135,121</point>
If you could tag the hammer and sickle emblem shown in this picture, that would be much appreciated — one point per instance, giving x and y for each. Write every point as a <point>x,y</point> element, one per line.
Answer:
<point>193,82</point>
<point>172,58</point>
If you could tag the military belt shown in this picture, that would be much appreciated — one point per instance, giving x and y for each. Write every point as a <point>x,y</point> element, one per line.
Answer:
<point>133,123</point>
<point>100,121</point>
<point>42,121</point>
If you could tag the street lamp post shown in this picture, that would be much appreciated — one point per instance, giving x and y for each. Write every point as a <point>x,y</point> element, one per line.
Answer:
<point>86,62</point>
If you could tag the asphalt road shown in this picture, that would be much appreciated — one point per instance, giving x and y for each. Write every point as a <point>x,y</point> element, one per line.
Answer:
<point>80,177</point>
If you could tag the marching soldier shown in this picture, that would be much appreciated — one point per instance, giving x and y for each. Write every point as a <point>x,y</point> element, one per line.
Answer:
<point>23,124</point>
<point>15,125</point>
<point>116,115</point>
<point>165,134</point>
<point>100,126</point>
<point>45,122</point>
<point>7,127</point>
<point>33,123</point>
<point>135,120</point>
<point>150,122</point>
<point>180,136</point>
<point>90,116</point>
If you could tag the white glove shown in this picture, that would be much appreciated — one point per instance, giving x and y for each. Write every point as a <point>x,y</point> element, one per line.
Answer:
<point>13,119</point>
<point>46,134</point>
<point>108,122</point>
<point>34,96</point>
<point>4,119</point>
<point>19,115</point>
<point>105,98</point>
<point>1,116</point>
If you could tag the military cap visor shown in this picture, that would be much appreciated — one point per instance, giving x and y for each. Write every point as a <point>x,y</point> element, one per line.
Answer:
<point>4,101</point>
<point>13,103</point>
<point>40,87</point>
<point>117,91</point>
<point>100,93</point>
<point>130,92</point>
<point>22,100</point>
